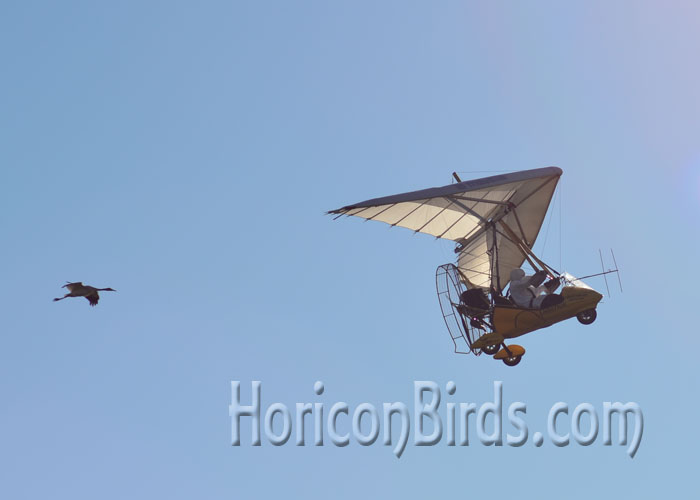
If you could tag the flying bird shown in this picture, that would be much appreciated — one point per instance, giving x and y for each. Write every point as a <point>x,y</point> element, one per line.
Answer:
<point>79,290</point>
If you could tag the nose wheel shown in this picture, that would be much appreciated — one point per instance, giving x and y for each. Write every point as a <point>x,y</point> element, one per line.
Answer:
<point>587,317</point>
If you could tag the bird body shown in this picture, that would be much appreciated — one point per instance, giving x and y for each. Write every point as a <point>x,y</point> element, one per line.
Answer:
<point>77,289</point>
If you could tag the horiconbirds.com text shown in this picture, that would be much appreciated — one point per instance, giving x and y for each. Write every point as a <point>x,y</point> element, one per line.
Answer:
<point>427,421</point>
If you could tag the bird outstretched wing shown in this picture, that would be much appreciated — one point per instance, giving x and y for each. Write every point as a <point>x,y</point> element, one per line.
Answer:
<point>93,298</point>
<point>72,286</point>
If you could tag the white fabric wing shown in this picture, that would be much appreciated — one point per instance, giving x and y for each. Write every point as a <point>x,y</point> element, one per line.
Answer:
<point>472,213</point>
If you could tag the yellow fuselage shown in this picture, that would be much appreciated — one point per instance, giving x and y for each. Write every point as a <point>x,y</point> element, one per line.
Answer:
<point>510,322</point>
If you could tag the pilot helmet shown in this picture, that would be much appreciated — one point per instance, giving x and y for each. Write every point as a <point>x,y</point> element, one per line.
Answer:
<point>517,274</point>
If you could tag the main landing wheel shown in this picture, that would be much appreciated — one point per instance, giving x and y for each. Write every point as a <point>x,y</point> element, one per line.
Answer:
<point>512,361</point>
<point>510,355</point>
<point>491,349</point>
<point>587,317</point>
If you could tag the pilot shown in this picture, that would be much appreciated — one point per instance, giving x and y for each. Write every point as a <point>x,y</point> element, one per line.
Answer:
<point>528,291</point>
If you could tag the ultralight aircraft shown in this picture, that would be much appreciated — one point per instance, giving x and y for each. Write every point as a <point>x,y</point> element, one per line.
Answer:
<point>494,222</point>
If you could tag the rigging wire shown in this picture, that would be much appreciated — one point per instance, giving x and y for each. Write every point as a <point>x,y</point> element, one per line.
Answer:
<point>561,190</point>
<point>549,224</point>
<point>557,198</point>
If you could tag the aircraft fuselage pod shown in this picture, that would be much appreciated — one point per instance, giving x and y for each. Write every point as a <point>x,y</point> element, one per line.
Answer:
<point>512,321</point>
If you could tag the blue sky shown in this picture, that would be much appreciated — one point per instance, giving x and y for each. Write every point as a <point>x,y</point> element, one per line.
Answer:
<point>184,154</point>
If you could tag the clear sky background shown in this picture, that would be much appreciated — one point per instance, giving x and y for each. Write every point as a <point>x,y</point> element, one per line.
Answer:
<point>184,153</point>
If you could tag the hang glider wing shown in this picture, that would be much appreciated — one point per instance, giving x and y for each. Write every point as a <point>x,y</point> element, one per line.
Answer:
<point>480,215</point>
